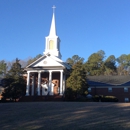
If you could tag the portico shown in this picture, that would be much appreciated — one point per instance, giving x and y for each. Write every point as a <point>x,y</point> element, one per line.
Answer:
<point>31,90</point>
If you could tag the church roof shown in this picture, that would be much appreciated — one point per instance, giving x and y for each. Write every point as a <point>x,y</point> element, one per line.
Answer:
<point>108,80</point>
<point>48,60</point>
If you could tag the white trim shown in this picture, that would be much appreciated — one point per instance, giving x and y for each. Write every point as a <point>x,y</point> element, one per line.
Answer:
<point>35,61</point>
<point>44,70</point>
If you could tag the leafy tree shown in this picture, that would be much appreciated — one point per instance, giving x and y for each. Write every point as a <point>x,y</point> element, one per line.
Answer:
<point>76,83</point>
<point>110,65</point>
<point>128,60</point>
<point>95,64</point>
<point>3,67</point>
<point>14,82</point>
<point>101,53</point>
<point>124,62</point>
<point>128,70</point>
<point>75,58</point>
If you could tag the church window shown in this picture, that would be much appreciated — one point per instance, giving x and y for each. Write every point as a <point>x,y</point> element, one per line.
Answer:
<point>89,89</point>
<point>110,89</point>
<point>126,99</point>
<point>51,44</point>
<point>125,89</point>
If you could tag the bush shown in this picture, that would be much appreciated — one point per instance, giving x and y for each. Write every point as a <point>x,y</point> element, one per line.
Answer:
<point>97,98</point>
<point>102,98</point>
<point>109,99</point>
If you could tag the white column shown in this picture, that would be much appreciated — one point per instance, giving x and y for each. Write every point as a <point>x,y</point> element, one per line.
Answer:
<point>28,84</point>
<point>33,77</point>
<point>50,83</point>
<point>39,83</point>
<point>61,82</point>
<point>64,78</point>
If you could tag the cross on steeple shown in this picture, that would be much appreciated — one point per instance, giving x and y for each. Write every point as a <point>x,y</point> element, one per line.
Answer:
<point>52,41</point>
<point>53,7</point>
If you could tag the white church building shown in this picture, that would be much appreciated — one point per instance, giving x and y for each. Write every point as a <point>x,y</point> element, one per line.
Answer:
<point>47,75</point>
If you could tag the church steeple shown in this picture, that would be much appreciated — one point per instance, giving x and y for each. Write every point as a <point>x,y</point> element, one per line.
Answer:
<point>52,45</point>
<point>53,26</point>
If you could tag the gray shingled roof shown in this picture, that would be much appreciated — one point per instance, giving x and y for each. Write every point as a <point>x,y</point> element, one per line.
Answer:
<point>113,80</point>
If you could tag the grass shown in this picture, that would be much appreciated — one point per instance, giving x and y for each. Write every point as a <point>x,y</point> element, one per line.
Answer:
<point>64,116</point>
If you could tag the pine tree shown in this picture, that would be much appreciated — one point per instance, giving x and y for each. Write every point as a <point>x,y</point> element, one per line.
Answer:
<point>3,68</point>
<point>15,83</point>
<point>76,83</point>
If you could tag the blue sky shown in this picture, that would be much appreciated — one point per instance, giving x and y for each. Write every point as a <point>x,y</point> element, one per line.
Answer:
<point>84,27</point>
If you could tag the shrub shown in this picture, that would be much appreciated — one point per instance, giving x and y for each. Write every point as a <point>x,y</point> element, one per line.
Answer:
<point>102,98</point>
<point>97,98</point>
<point>109,99</point>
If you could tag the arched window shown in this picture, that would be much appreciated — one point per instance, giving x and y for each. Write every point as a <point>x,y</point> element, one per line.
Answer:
<point>51,45</point>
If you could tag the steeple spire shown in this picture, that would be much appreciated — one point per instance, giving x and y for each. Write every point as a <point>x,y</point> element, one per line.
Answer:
<point>52,45</point>
<point>53,26</point>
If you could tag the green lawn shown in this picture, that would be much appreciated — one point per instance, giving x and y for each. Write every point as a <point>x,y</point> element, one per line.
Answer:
<point>64,116</point>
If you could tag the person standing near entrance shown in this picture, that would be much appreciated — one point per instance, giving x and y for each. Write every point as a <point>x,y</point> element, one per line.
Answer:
<point>45,88</point>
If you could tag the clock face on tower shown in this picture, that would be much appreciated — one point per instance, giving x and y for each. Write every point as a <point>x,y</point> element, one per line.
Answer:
<point>51,44</point>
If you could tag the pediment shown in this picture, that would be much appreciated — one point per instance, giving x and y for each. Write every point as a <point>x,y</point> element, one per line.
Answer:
<point>46,61</point>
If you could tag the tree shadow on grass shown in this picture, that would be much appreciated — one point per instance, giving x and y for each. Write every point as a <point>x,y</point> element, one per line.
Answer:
<point>65,115</point>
